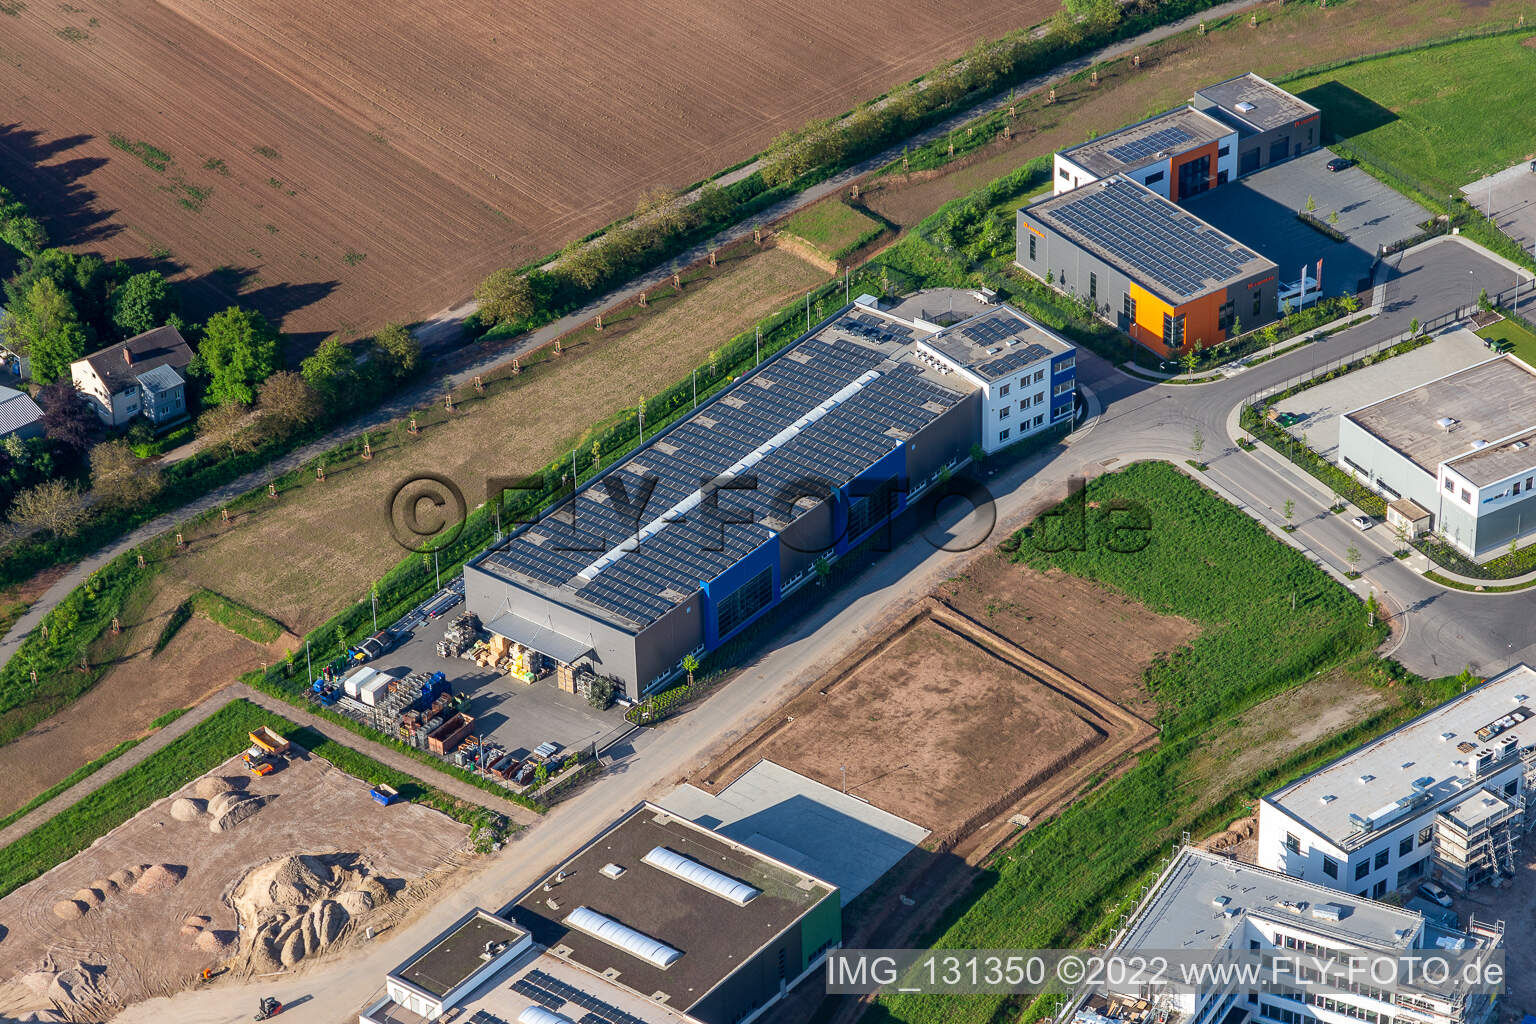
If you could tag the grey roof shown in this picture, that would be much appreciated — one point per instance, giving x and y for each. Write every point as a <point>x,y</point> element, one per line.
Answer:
<point>1480,807</point>
<point>996,343</point>
<point>1167,134</point>
<point>17,411</point>
<point>1253,104</point>
<point>163,346</point>
<point>715,936</point>
<point>1181,913</point>
<point>1510,456</point>
<point>161,378</point>
<point>1437,746</point>
<point>1155,242</point>
<point>1490,401</point>
<point>541,979</point>
<point>825,408</point>
<point>449,961</point>
<point>543,639</point>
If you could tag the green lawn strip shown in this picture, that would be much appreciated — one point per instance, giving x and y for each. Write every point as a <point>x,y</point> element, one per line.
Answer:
<point>1517,334</point>
<point>1485,588</point>
<point>207,745</point>
<point>1181,551</point>
<point>833,227</point>
<point>236,617</point>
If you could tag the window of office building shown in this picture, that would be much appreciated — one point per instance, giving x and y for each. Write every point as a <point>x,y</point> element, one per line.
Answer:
<point>1031,248</point>
<point>1330,867</point>
<point>1004,412</point>
<point>870,509</point>
<point>1362,869</point>
<point>1002,392</point>
<point>1425,834</point>
<point>1093,287</point>
<point>744,602</point>
<point>1039,376</point>
<point>1381,858</point>
<point>1130,308</point>
<point>1292,843</point>
<point>1173,331</point>
<point>1226,315</point>
<point>1405,847</point>
<point>1039,419</point>
<point>1002,435</point>
<point>1379,889</point>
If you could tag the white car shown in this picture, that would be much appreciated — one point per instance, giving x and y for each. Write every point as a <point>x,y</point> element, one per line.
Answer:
<point>1363,522</point>
<point>1431,891</point>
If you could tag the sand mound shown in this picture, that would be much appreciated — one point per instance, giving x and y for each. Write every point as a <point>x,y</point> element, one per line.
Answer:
<point>216,942</point>
<point>90,897</point>
<point>224,801</point>
<point>159,878</point>
<point>296,907</point>
<point>201,920</point>
<point>186,809</point>
<point>106,885</point>
<point>234,812</point>
<point>124,878</point>
<point>190,930</point>
<point>213,785</point>
<point>69,910</point>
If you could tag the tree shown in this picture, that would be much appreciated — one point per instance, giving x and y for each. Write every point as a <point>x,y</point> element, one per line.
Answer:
<point>226,426</point>
<point>239,351</point>
<point>401,350</point>
<point>1333,217</point>
<point>1190,359</point>
<point>328,370</point>
<point>120,478</point>
<point>142,303</point>
<point>1484,303</point>
<point>1237,328</point>
<point>67,418</point>
<point>45,327</point>
<point>1400,531</point>
<point>505,296</point>
<point>1372,609</point>
<point>1197,441</point>
<point>1290,509</point>
<point>1311,204</point>
<point>1352,556</point>
<point>540,776</point>
<point>53,505</point>
<point>690,665</point>
<point>1413,328</point>
<point>286,403</point>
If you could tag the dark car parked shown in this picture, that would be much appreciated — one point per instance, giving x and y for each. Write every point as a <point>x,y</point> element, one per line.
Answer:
<point>1338,163</point>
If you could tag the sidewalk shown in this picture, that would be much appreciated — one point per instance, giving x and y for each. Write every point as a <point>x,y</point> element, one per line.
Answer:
<point>199,714</point>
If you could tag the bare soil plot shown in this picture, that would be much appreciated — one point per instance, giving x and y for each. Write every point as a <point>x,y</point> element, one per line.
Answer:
<point>348,164</point>
<point>152,903</point>
<point>1099,637</point>
<point>1287,39</point>
<point>201,659</point>
<point>942,722</point>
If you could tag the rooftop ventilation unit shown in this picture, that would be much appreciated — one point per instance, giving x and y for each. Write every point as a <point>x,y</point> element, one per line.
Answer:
<point>539,1015</point>
<point>1220,901</point>
<point>1245,107</point>
<point>690,870</point>
<point>1328,798</point>
<point>612,870</point>
<point>1328,911</point>
<point>1423,782</point>
<point>622,936</point>
<point>1367,778</point>
<point>1446,737</point>
<point>1446,422</point>
<point>1520,445</point>
<point>1479,444</point>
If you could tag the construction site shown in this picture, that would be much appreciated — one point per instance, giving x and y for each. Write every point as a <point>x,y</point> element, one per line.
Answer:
<point>240,873</point>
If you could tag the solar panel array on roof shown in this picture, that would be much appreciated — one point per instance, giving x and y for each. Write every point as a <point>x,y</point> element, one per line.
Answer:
<point>1147,145</point>
<point>673,562</point>
<point>1172,247</point>
<point>553,994</point>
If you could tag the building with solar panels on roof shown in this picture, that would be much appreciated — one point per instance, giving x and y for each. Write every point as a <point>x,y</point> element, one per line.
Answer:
<point>687,541</point>
<point>1155,270</point>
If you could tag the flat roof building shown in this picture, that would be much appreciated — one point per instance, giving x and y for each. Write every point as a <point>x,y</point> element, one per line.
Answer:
<point>1376,819</point>
<point>689,539</point>
<point>1272,125</point>
<point>448,968</point>
<point>693,921</point>
<point>1166,277</point>
<point>1204,903</point>
<point>1177,154</point>
<point>1462,448</point>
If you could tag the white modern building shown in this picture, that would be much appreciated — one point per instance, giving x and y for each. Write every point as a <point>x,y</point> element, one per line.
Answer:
<point>441,973</point>
<point>1204,904</point>
<point>1176,154</point>
<point>1444,797</point>
<point>1025,373</point>
<point>1462,449</point>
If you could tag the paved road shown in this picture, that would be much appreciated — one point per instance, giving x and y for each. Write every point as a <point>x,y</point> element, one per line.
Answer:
<point>447,326</point>
<point>1135,419</point>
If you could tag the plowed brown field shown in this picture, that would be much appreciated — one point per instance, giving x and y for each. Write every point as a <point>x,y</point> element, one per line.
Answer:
<point>340,164</point>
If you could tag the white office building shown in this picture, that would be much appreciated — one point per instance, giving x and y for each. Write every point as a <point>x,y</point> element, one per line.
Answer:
<point>1204,903</point>
<point>1445,797</point>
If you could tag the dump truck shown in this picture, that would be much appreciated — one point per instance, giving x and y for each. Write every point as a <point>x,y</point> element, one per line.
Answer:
<point>446,737</point>
<point>266,752</point>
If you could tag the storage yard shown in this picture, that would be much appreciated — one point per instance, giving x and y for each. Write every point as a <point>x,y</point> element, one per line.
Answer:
<point>338,179</point>
<point>256,873</point>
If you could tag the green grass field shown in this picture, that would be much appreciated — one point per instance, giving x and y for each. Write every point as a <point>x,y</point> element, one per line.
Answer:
<point>1447,114</point>
<point>205,746</point>
<point>1202,558</point>
<point>1517,335</point>
<point>834,228</point>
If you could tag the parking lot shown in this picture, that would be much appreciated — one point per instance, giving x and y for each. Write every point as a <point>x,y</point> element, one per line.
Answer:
<point>1509,197</point>
<point>515,715</point>
<point>1319,408</point>
<point>1261,211</point>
